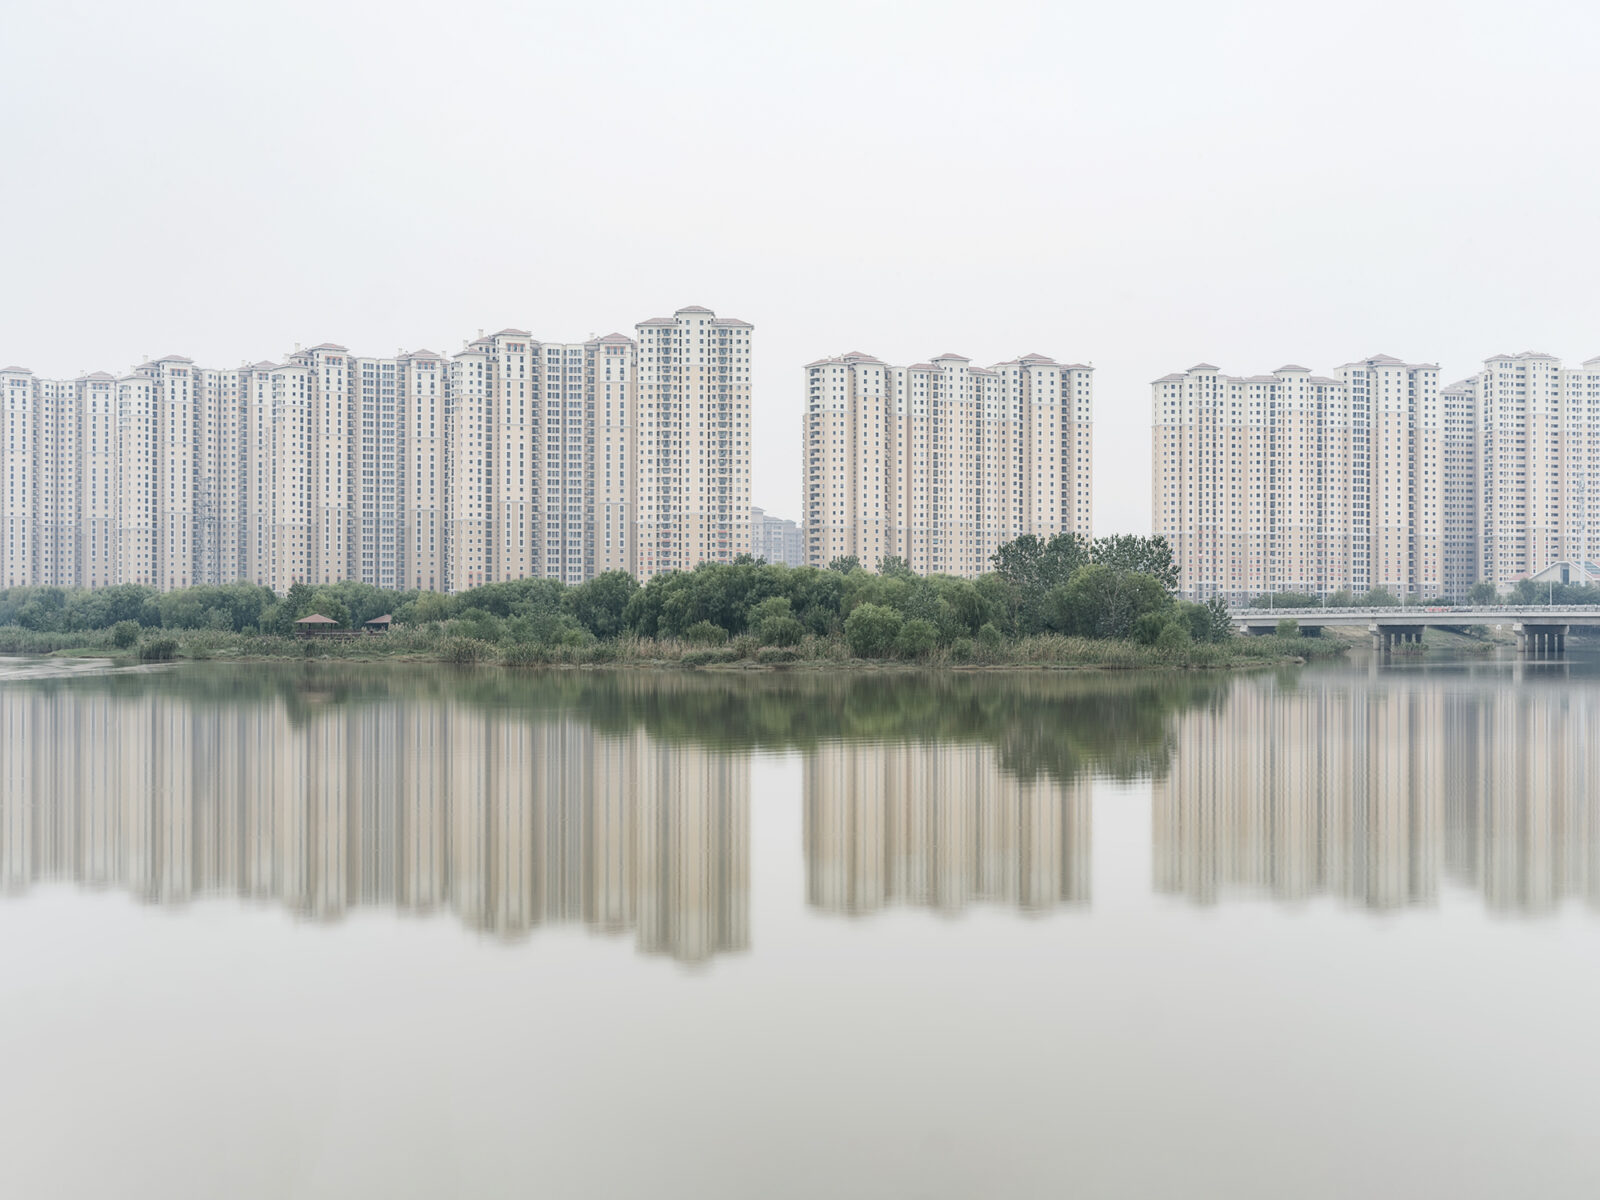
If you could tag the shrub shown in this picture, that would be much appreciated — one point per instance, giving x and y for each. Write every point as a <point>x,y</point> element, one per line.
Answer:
<point>916,638</point>
<point>465,650</point>
<point>158,649</point>
<point>704,633</point>
<point>523,654</point>
<point>871,630</point>
<point>708,657</point>
<point>1174,638</point>
<point>1149,627</point>
<point>781,631</point>
<point>125,634</point>
<point>1288,628</point>
<point>961,650</point>
<point>744,646</point>
<point>989,637</point>
<point>771,655</point>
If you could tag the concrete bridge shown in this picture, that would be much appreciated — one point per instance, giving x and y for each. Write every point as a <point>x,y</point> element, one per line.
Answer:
<point>1540,628</point>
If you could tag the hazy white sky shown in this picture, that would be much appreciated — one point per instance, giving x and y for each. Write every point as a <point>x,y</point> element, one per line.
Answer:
<point>1136,185</point>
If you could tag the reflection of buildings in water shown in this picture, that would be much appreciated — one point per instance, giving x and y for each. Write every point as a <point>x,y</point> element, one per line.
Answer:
<point>1370,793</point>
<point>511,823</point>
<point>939,825</point>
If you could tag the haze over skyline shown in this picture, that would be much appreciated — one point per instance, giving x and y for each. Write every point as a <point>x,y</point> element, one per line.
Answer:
<point>1141,187</point>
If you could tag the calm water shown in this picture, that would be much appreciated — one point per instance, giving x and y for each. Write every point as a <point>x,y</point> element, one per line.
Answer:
<point>352,932</point>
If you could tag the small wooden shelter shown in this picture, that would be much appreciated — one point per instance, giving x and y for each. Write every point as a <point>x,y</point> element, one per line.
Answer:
<point>379,624</point>
<point>315,624</point>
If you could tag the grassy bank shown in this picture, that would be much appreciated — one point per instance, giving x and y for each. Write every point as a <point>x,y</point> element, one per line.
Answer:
<point>439,643</point>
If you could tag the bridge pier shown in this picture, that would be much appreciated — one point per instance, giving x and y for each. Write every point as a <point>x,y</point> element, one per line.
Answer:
<point>1385,637</point>
<point>1541,641</point>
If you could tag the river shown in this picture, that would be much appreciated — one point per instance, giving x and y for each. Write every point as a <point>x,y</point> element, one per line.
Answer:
<point>329,931</point>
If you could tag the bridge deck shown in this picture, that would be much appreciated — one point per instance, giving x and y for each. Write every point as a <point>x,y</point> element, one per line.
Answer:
<point>1420,616</point>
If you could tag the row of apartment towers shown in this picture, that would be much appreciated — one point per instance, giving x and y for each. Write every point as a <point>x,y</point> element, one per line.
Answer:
<point>512,458</point>
<point>1378,477</point>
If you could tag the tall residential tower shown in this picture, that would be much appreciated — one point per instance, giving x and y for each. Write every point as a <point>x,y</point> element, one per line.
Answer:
<point>940,463</point>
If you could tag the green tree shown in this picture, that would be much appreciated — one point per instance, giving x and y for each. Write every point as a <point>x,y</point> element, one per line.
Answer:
<point>1103,602</point>
<point>1137,555</point>
<point>845,563</point>
<point>1219,621</point>
<point>871,630</point>
<point>917,637</point>
<point>600,603</point>
<point>704,633</point>
<point>1483,593</point>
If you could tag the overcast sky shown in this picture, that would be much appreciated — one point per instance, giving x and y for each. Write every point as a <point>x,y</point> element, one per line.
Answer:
<point>1136,185</point>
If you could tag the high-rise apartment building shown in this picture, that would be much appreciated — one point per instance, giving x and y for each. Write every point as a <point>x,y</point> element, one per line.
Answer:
<point>514,458</point>
<point>940,463</point>
<point>1540,453</point>
<point>776,539</point>
<point>1377,478</point>
<point>1307,483</point>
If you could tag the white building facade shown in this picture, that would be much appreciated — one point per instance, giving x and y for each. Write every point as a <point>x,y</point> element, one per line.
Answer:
<point>514,458</point>
<point>940,463</point>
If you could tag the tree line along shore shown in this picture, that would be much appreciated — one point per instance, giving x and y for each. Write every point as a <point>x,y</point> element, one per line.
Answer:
<point>1063,601</point>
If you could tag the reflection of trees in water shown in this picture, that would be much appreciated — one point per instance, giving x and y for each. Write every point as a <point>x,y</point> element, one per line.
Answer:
<point>618,799</point>
<point>1055,723</point>
<point>1375,792</point>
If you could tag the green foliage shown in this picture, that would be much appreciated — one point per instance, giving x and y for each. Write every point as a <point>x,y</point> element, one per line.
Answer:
<point>599,604</point>
<point>917,638</point>
<point>781,631</point>
<point>125,635</point>
<point>1104,602</point>
<point>1174,638</point>
<point>1136,555</point>
<point>1148,628</point>
<point>159,648</point>
<point>1378,598</point>
<point>709,657</point>
<point>1219,622</point>
<point>1287,600</point>
<point>465,650</point>
<point>871,630</point>
<point>844,564</point>
<point>1288,628</point>
<point>704,633</point>
<point>1483,593</point>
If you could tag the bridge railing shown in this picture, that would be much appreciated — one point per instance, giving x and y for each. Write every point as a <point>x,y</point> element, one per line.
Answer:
<point>1510,611</point>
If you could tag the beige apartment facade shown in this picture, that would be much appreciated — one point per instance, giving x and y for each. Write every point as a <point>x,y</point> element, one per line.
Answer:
<point>1540,447</point>
<point>940,463</point>
<point>513,458</point>
<point>1377,477</point>
<point>1292,481</point>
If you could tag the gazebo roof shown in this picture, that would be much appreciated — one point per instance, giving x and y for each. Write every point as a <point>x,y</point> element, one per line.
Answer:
<point>386,619</point>
<point>316,619</point>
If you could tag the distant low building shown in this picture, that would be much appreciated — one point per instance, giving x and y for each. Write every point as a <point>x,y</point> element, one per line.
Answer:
<point>776,539</point>
<point>1569,571</point>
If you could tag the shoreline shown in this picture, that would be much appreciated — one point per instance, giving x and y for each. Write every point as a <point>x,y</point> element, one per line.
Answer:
<point>1116,657</point>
